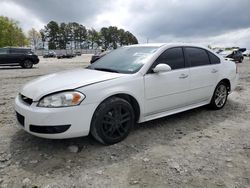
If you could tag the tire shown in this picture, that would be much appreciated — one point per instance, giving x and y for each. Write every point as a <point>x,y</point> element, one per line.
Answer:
<point>219,98</point>
<point>27,64</point>
<point>106,126</point>
<point>241,60</point>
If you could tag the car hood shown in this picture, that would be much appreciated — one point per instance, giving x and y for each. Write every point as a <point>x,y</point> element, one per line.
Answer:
<point>65,80</point>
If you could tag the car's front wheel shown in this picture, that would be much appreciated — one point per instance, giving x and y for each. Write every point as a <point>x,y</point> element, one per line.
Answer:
<point>112,121</point>
<point>27,64</point>
<point>219,98</point>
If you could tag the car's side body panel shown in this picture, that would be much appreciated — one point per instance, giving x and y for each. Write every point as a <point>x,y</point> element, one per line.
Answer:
<point>203,80</point>
<point>166,90</point>
<point>228,71</point>
<point>131,85</point>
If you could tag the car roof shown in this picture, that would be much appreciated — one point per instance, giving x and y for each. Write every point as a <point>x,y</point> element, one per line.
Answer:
<point>19,48</point>
<point>166,45</point>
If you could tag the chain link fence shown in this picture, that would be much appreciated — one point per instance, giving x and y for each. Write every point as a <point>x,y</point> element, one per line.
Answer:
<point>58,52</point>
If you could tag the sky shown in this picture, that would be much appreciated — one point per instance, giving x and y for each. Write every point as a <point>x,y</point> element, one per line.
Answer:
<point>222,23</point>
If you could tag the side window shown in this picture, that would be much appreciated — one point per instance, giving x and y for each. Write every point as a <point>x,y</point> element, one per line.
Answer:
<point>197,56</point>
<point>173,57</point>
<point>3,51</point>
<point>213,58</point>
<point>17,51</point>
<point>13,51</point>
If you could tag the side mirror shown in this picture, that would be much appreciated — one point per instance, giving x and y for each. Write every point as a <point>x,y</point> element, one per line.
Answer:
<point>162,68</point>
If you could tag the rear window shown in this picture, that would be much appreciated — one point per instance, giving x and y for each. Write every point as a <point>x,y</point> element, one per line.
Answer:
<point>197,56</point>
<point>213,58</point>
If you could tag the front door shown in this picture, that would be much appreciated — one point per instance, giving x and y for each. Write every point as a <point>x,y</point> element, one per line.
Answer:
<point>167,90</point>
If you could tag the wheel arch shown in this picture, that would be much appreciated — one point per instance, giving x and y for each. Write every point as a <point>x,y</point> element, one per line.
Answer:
<point>24,59</point>
<point>129,98</point>
<point>227,82</point>
<point>28,58</point>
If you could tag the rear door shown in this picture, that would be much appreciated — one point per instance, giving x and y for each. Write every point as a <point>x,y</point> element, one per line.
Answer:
<point>204,73</point>
<point>168,90</point>
<point>16,55</point>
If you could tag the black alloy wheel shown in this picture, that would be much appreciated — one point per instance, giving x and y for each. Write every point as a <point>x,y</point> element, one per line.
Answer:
<point>112,121</point>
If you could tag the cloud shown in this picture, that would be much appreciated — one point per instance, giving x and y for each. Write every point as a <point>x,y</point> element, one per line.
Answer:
<point>189,18</point>
<point>223,21</point>
<point>63,10</point>
<point>26,19</point>
<point>240,38</point>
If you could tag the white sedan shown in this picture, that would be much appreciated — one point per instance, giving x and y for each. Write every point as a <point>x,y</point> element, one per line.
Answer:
<point>132,84</point>
<point>246,53</point>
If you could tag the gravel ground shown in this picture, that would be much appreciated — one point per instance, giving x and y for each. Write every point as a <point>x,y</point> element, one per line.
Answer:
<point>197,148</point>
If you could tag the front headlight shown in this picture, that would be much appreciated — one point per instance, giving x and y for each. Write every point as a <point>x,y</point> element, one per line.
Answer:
<point>63,99</point>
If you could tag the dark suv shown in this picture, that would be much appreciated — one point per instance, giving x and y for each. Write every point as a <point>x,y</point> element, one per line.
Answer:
<point>23,57</point>
<point>235,55</point>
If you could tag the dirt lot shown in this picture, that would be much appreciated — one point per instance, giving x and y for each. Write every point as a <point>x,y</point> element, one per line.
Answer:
<point>197,148</point>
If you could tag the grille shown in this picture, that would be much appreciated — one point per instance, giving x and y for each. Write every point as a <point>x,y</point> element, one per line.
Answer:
<point>49,129</point>
<point>20,118</point>
<point>26,100</point>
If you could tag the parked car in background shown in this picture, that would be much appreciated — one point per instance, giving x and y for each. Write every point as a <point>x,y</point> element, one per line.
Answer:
<point>49,54</point>
<point>235,55</point>
<point>131,84</point>
<point>78,53</point>
<point>23,57</point>
<point>242,49</point>
<point>66,55</point>
<point>98,56</point>
<point>218,51</point>
<point>246,53</point>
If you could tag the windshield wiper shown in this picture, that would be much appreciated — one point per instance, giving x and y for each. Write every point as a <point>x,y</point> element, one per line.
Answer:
<point>106,69</point>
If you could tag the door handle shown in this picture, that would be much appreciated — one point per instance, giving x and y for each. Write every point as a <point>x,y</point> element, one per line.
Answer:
<point>214,71</point>
<point>183,76</point>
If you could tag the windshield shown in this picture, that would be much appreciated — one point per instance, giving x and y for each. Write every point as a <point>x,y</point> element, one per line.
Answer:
<point>124,60</point>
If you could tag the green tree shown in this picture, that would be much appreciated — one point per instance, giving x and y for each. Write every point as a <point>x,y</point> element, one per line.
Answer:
<point>63,34</point>
<point>105,37</point>
<point>52,34</point>
<point>43,36</point>
<point>34,37</point>
<point>10,33</point>
<point>114,34</point>
<point>94,37</point>
<point>121,37</point>
<point>112,37</point>
<point>130,38</point>
<point>80,35</point>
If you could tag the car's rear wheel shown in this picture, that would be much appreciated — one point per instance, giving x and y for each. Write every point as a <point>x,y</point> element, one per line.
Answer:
<point>241,60</point>
<point>219,98</point>
<point>112,121</point>
<point>27,64</point>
